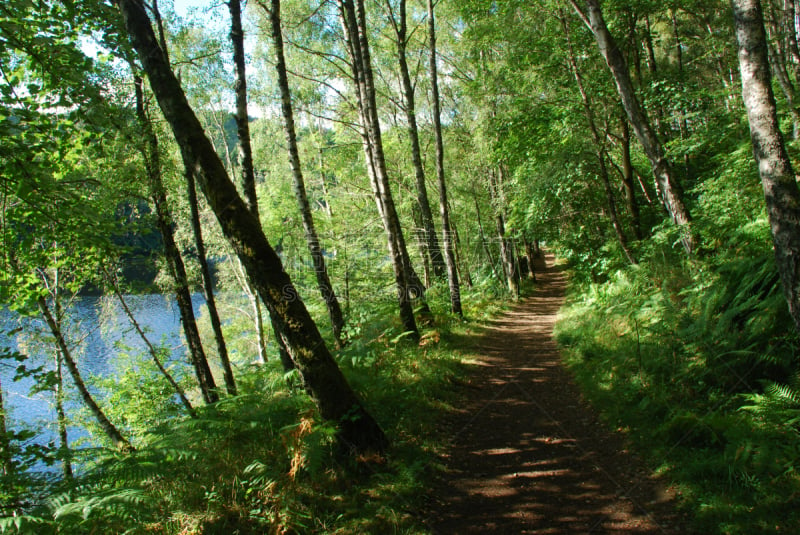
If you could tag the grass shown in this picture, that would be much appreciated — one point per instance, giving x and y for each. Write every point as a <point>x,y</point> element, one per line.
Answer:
<point>698,369</point>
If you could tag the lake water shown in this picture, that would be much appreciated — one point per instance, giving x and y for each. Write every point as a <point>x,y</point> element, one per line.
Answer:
<point>97,330</point>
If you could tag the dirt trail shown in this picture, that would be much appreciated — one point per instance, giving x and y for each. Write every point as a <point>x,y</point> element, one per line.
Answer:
<point>527,454</point>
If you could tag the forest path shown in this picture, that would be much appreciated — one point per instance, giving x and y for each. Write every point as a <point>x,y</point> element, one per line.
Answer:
<point>527,454</point>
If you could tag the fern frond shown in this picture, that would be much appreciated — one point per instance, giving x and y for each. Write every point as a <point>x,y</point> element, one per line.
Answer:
<point>783,392</point>
<point>26,525</point>
<point>112,504</point>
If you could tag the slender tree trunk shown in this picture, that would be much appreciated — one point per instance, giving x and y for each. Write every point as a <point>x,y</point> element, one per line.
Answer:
<point>312,239</point>
<point>531,256</point>
<point>787,87</point>
<point>329,389</point>
<point>792,15</point>
<point>419,237</point>
<point>669,187</point>
<point>283,353</point>
<point>628,179</point>
<point>149,150</point>
<point>779,52</point>
<point>777,176</point>
<point>507,254</point>
<point>429,241</point>
<point>484,242</point>
<point>248,176</point>
<point>322,178</point>
<point>6,455</point>
<point>208,284</point>
<point>64,452</point>
<point>461,262</point>
<point>353,19</point>
<point>150,348</point>
<point>648,44</point>
<point>684,124</point>
<point>633,46</point>
<point>652,66</point>
<point>107,427</point>
<point>444,212</point>
<point>600,153</point>
<point>241,116</point>
<point>261,331</point>
<point>205,379</point>
<point>506,246</point>
<point>258,316</point>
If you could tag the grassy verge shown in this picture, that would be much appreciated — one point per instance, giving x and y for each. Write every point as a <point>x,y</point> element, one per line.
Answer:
<point>700,370</point>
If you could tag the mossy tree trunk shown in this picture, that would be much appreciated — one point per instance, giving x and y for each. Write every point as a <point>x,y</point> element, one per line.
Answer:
<point>777,176</point>
<point>150,152</point>
<point>329,389</point>
<point>669,187</point>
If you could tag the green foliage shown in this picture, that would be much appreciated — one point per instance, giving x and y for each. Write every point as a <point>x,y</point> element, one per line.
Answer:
<point>696,364</point>
<point>263,462</point>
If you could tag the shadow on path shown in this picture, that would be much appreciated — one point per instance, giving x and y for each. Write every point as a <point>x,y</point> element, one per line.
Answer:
<point>527,454</point>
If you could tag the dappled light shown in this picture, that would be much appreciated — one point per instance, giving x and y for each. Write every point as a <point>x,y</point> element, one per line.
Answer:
<point>528,455</point>
<point>399,267</point>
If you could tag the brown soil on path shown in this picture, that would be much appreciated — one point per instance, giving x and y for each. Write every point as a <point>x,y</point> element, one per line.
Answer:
<point>527,455</point>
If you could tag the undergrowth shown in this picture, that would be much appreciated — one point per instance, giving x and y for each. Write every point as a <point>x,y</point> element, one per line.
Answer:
<point>263,462</point>
<point>698,364</point>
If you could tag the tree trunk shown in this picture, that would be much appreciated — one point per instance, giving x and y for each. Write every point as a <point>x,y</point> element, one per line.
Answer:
<point>152,350</point>
<point>258,316</point>
<point>329,389</point>
<point>444,211</point>
<point>64,453</point>
<point>531,256</point>
<point>777,176</point>
<point>779,53</point>
<point>600,153</point>
<point>248,177</point>
<point>205,379</point>
<point>107,427</point>
<point>628,179</point>
<point>683,123</point>
<point>484,242</point>
<point>506,247</point>
<point>353,19</point>
<point>283,353</point>
<point>261,331</point>
<point>507,254</point>
<point>208,285</point>
<point>789,91</point>
<point>241,116</point>
<point>652,66</point>
<point>6,455</point>
<point>429,240</point>
<point>312,239</point>
<point>149,150</point>
<point>461,262</point>
<point>668,185</point>
<point>322,178</point>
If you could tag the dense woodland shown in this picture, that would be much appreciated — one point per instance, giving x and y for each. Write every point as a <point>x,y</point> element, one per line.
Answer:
<point>354,186</point>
